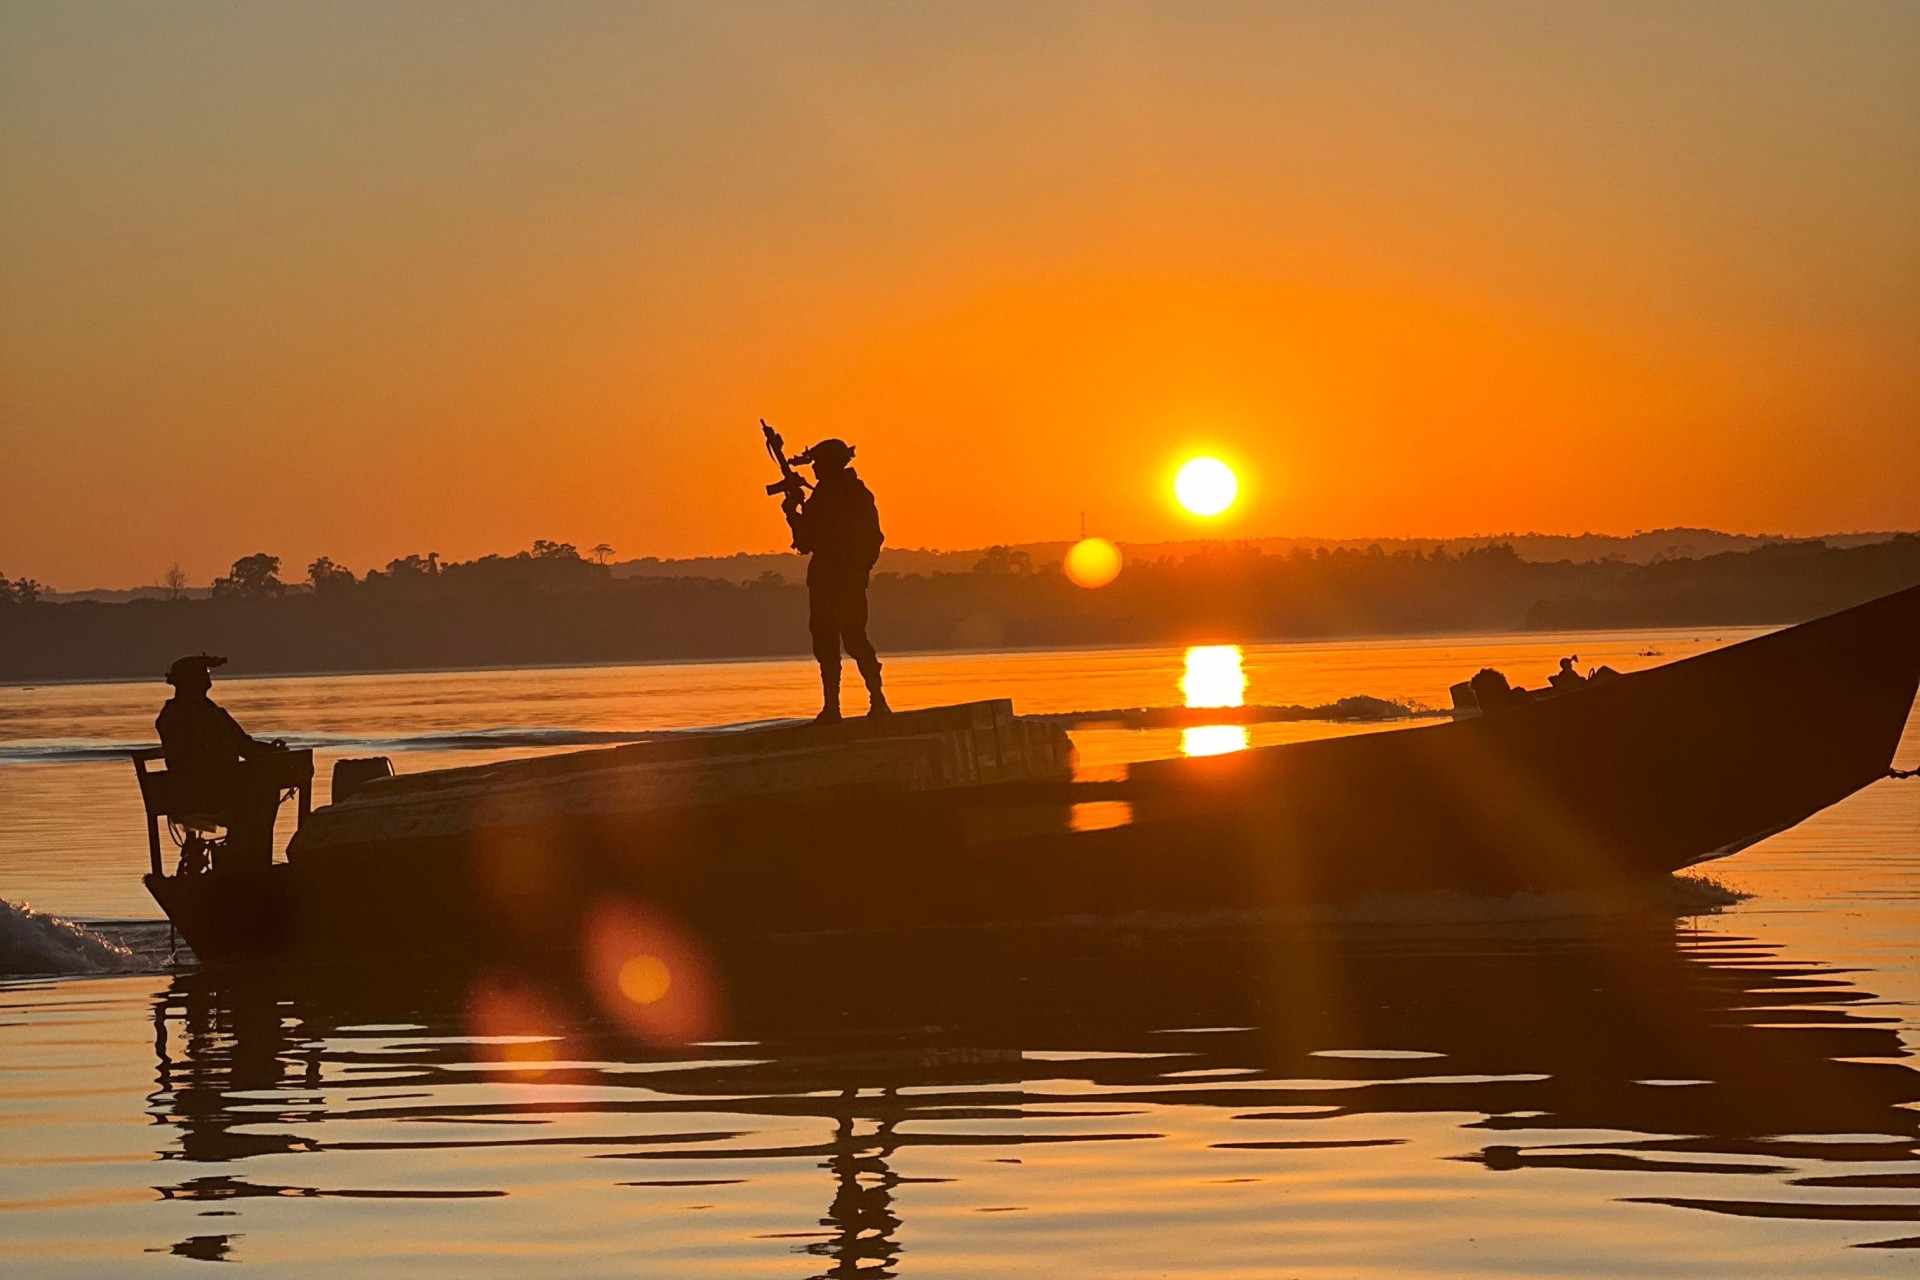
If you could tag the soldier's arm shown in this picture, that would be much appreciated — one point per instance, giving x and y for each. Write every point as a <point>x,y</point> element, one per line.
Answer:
<point>871,537</point>
<point>802,521</point>
<point>248,746</point>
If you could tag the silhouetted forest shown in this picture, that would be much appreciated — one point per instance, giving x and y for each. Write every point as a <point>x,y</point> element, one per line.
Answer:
<point>1638,548</point>
<point>552,605</point>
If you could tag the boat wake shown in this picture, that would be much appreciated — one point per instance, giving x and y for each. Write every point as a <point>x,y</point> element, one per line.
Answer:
<point>34,944</point>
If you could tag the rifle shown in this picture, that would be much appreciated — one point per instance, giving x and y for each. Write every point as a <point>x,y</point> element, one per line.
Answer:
<point>789,484</point>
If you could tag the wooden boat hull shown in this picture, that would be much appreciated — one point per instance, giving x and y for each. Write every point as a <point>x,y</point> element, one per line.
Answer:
<point>1614,783</point>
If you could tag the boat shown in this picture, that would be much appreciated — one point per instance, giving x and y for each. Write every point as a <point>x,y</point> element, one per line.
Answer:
<point>968,817</point>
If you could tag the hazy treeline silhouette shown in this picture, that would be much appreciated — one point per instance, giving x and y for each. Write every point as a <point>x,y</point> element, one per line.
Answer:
<point>552,605</point>
<point>1638,548</point>
<point>20,590</point>
<point>1643,547</point>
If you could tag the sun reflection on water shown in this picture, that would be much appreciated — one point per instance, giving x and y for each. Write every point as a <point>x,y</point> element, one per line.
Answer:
<point>514,1026</point>
<point>1213,739</point>
<point>1214,677</point>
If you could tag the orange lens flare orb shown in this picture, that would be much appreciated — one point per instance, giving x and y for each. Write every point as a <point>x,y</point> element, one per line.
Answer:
<point>650,974</point>
<point>1092,563</point>
<point>1206,486</point>
<point>645,979</point>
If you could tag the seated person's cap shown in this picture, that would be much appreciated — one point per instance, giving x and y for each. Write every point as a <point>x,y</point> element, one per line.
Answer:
<point>192,663</point>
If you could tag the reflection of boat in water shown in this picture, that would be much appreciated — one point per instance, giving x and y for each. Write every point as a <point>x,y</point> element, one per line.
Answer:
<point>1698,1069</point>
<point>924,824</point>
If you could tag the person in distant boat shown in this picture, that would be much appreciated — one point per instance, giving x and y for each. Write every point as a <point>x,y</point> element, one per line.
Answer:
<point>212,756</point>
<point>1566,677</point>
<point>839,526</point>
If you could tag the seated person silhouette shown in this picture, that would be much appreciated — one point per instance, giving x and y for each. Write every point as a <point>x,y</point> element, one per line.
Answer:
<point>1566,677</point>
<point>216,763</point>
<point>839,526</point>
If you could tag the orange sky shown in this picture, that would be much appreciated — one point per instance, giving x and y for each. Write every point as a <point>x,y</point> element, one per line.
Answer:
<point>365,280</point>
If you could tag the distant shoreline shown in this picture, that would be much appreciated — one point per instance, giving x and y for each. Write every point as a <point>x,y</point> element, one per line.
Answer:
<point>1383,638</point>
<point>1640,548</point>
<point>563,612</point>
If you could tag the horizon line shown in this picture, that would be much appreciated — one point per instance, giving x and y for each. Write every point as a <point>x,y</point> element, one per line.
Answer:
<point>1401,539</point>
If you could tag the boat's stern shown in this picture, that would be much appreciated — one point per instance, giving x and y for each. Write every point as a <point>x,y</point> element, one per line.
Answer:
<point>229,915</point>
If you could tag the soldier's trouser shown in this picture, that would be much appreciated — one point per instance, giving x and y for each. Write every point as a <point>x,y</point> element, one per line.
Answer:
<point>837,616</point>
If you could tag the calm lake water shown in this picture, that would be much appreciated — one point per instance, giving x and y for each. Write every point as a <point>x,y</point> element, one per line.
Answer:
<point>1419,1086</point>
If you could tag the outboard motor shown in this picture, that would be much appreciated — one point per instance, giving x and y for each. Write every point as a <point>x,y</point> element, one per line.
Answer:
<point>352,774</point>
<point>1493,693</point>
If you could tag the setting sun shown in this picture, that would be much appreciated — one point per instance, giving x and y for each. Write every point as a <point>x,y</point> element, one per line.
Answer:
<point>1206,486</point>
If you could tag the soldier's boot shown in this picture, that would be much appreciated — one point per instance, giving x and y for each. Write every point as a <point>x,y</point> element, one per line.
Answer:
<point>876,699</point>
<point>829,695</point>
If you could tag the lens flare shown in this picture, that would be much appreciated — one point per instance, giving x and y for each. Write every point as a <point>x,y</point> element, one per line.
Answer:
<point>1206,486</point>
<point>650,974</point>
<point>645,979</point>
<point>1093,562</point>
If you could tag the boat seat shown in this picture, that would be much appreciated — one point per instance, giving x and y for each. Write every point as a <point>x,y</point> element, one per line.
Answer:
<point>161,794</point>
<point>161,797</point>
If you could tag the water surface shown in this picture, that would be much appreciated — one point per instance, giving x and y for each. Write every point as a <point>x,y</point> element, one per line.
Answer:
<point>1694,1085</point>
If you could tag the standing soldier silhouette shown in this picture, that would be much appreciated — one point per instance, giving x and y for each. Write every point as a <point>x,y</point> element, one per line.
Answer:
<point>839,526</point>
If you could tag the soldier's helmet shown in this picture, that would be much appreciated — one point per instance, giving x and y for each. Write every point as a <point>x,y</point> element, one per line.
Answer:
<point>832,451</point>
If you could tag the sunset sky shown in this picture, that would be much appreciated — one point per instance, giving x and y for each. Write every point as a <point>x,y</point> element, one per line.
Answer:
<point>370,279</point>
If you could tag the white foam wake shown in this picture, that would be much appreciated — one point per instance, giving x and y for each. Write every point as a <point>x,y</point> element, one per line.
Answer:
<point>32,942</point>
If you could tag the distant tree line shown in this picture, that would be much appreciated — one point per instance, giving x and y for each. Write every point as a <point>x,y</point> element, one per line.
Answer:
<point>551,604</point>
<point>20,590</point>
<point>545,565</point>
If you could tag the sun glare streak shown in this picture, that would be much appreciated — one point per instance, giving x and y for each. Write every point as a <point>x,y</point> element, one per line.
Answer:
<point>1206,486</point>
